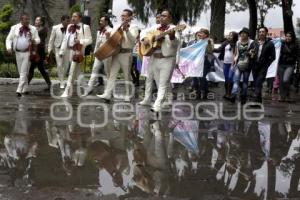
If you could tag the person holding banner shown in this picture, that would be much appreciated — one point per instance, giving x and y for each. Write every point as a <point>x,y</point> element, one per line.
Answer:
<point>227,51</point>
<point>242,65</point>
<point>162,61</point>
<point>264,56</point>
<point>287,63</point>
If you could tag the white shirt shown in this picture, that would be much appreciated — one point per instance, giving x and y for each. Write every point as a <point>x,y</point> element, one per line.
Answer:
<point>22,43</point>
<point>71,40</point>
<point>260,49</point>
<point>228,55</point>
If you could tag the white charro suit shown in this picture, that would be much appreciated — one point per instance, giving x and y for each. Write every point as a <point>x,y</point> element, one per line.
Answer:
<point>22,58</point>
<point>85,37</point>
<point>121,60</point>
<point>101,39</point>
<point>161,69</point>
<point>55,42</point>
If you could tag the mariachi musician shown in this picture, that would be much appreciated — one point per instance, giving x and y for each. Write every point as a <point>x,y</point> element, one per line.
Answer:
<point>19,39</point>
<point>123,58</point>
<point>56,38</point>
<point>162,61</point>
<point>78,36</point>
<point>105,28</point>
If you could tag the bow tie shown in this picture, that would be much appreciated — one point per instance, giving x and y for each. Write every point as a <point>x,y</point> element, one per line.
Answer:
<point>24,30</point>
<point>73,28</point>
<point>63,30</point>
<point>102,30</point>
<point>163,28</point>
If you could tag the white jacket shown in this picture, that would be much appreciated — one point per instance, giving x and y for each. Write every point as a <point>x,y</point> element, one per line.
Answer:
<point>56,37</point>
<point>129,38</point>
<point>11,39</point>
<point>101,38</point>
<point>83,35</point>
<point>169,47</point>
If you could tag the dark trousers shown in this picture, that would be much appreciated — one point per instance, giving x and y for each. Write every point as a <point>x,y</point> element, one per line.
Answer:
<point>259,76</point>
<point>285,73</point>
<point>41,67</point>
<point>135,74</point>
<point>200,84</point>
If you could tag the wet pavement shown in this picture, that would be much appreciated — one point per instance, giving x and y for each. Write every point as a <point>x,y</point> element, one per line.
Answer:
<point>82,148</point>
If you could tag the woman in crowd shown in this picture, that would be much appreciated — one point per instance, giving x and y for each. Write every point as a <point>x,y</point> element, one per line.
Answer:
<point>287,62</point>
<point>242,65</point>
<point>227,52</point>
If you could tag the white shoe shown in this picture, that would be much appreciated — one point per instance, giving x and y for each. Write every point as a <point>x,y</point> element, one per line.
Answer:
<point>66,94</point>
<point>62,86</point>
<point>156,109</point>
<point>103,96</point>
<point>144,103</point>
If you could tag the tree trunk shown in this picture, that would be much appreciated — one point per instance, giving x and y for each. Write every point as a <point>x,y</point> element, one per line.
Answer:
<point>287,16</point>
<point>253,18</point>
<point>217,20</point>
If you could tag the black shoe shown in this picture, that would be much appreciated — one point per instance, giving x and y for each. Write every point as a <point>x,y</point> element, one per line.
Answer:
<point>19,94</point>
<point>232,98</point>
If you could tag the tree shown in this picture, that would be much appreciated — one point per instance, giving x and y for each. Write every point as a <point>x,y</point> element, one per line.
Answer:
<point>217,19</point>
<point>188,11</point>
<point>5,24</point>
<point>253,18</point>
<point>287,13</point>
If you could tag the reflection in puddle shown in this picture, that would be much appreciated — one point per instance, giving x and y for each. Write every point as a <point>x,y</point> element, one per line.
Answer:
<point>167,158</point>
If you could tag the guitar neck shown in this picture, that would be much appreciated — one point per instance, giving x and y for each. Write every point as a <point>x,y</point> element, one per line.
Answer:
<point>168,32</point>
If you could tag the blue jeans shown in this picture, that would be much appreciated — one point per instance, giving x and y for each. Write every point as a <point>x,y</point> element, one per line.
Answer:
<point>228,73</point>
<point>237,77</point>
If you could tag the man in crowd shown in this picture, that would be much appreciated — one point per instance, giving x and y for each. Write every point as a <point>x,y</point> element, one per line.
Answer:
<point>56,38</point>
<point>77,34</point>
<point>265,55</point>
<point>123,58</point>
<point>19,40</point>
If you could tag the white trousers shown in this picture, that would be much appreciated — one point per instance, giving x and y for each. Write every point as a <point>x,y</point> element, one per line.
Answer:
<point>62,64</point>
<point>120,61</point>
<point>98,65</point>
<point>160,70</point>
<point>73,75</point>
<point>23,65</point>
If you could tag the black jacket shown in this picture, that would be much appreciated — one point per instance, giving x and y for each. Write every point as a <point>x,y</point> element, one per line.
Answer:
<point>267,56</point>
<point>288,54</point>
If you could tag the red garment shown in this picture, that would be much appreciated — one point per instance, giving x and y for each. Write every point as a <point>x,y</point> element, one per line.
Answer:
<point>73,28</point>
<point>164,28</point>
<point>102,30</point>
<point>24,30</point>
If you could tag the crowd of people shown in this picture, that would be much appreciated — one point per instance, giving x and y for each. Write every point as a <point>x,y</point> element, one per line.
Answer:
<point>241,56</point>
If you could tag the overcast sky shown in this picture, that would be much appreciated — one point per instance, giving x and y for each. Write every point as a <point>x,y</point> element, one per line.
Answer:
<point>234,21</point>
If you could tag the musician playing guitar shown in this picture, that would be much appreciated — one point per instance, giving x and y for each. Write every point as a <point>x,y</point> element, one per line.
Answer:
<point>162,61</point>
<point>123,58</point>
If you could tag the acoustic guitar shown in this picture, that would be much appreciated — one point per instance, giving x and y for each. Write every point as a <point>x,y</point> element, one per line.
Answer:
<point>111,47</point>
<point>147,50</point>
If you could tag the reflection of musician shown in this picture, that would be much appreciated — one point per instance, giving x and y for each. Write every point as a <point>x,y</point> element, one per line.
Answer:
<point>42,31</point>
<point>151,172</point>
<point>21,148</point>
<point>56,38</point>
<point>77,33</point>
<point>124,58</point>
<point>162,62</point>
<point>102,35</point>
<point>19,39</point>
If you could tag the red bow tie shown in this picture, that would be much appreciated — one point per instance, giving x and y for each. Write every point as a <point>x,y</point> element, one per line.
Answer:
<point>163,28</point>
<point>102,30</point>
<point>24,30</point>
<point>73,28</point>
